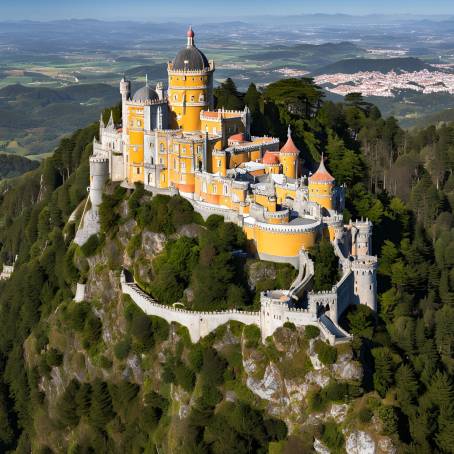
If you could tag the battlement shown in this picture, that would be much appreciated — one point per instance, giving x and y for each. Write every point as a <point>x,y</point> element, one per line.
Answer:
<point>99,159</point>
<point>283,228</point>
<point>184,72</point>
<point>367,263</point>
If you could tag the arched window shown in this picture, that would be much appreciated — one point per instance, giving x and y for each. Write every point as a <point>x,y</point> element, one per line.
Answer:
<point>201,97</point>
<point>192,98</point>
<point>161,148</point>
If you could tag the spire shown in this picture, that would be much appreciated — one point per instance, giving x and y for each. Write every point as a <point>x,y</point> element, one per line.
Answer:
<point>290,146</point>
<point>111,123</point>
<point>190,34</point>
<point>101,122</point>
<point>146,80</point>
<point>322,174</point>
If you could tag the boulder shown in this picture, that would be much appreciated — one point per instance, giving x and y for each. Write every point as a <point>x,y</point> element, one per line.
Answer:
<point>359,442</point>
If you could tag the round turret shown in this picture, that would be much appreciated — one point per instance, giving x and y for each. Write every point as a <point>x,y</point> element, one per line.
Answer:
<point>289,156</point>
<point>145,94</point>
<point>321,187</point>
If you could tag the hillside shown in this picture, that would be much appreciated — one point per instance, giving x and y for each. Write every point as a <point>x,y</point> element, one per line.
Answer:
<point>308,55</point>
<point>100,376</point>
<point>13,166</point>
<point>354,65</point>
<point>37,117</point>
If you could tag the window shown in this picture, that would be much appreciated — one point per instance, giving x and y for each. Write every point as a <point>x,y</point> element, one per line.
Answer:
<point>219,163</point>
<point>204,186</point>
<point>192,98</point>
<point>175,164</point>
<point>160,161</point>
<point>175,97</point>
<point>183,165</point>
<point>138,171</point>
<point>161,148</point>
<point>139,123</point>
<point>226,190</point>
<point>202,98</point>
<point>214,130</point>
<point>214,189</point>
<point>176,148</point>
<point>199,149</point>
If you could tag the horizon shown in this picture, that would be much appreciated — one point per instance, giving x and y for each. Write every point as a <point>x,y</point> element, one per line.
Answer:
<point>112,10</point>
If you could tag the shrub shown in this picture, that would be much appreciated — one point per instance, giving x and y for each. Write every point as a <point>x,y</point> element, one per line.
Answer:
<point>90,246</point>
<point>133,245</point>
<point>196,358</point>
<point>184,377</point>
<point>141,329</point>
<point>252,335</point>
<point>388,417</point>
<point>332,436</point>
<point>289,325</point>
<point>326,354</point>
<point>54,357</point>
<point>365,415</point>
<point>104,362</point>
<point>214,221</point>
<point>311,332</point>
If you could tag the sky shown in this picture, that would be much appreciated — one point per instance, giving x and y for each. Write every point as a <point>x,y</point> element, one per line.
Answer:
<point>159,10</point>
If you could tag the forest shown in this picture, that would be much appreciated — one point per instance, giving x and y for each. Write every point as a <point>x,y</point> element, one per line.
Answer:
<point>401,180</point>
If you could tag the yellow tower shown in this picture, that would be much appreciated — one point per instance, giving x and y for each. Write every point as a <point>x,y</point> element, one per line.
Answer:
<point>321,187</point>
<point>289,157</point>
<point>190,86</point>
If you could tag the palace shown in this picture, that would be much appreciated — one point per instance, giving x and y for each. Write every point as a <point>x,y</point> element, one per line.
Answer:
<point>174,142</point>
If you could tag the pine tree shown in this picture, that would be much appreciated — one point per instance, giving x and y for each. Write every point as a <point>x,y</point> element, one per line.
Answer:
<point>67,407</point>
<point>406,387</point>
<point>101,411</point>
<point>83,400</point>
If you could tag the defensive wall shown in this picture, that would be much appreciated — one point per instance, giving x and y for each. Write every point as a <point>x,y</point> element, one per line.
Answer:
<point>273,314</point>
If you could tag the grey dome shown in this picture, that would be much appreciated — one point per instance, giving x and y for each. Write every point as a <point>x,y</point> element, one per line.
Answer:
<point>190,59</point>
<point>145,94</point>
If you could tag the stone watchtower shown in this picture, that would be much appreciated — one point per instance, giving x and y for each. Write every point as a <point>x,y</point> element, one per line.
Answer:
<point>362,238</point>
<point>365,281</point>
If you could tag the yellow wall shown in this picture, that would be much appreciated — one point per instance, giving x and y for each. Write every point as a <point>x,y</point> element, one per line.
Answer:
<point>219,164</point>
<point>136,140</point>
<point>188,96</point>
<point>288,162</point>
<point>321,193</point>
<point>283,193</point>
<point>280,244</point>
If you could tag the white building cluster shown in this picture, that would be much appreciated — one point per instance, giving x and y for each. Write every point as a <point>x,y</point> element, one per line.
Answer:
<point>375,83</point>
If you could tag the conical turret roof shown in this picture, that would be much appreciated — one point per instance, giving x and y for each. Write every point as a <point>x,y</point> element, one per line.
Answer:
<point>290,146</point>
<point>322,175</point>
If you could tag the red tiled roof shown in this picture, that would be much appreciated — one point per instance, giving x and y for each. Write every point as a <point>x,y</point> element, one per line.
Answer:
<point>240,137</point>
<point>322,175</point>
<point>210,114</point>
<point>290,146</point>
<point>270,158</point>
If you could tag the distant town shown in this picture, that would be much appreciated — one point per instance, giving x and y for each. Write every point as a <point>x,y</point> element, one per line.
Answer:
<point>375,83</point>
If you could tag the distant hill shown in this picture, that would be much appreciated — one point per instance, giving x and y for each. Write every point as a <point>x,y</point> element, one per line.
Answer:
<point>445,116</point>
<point>13,166</point>
<point>383,65</point>
<point>309,54</point>
<point>154,72</point>
<point>37,117</point>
